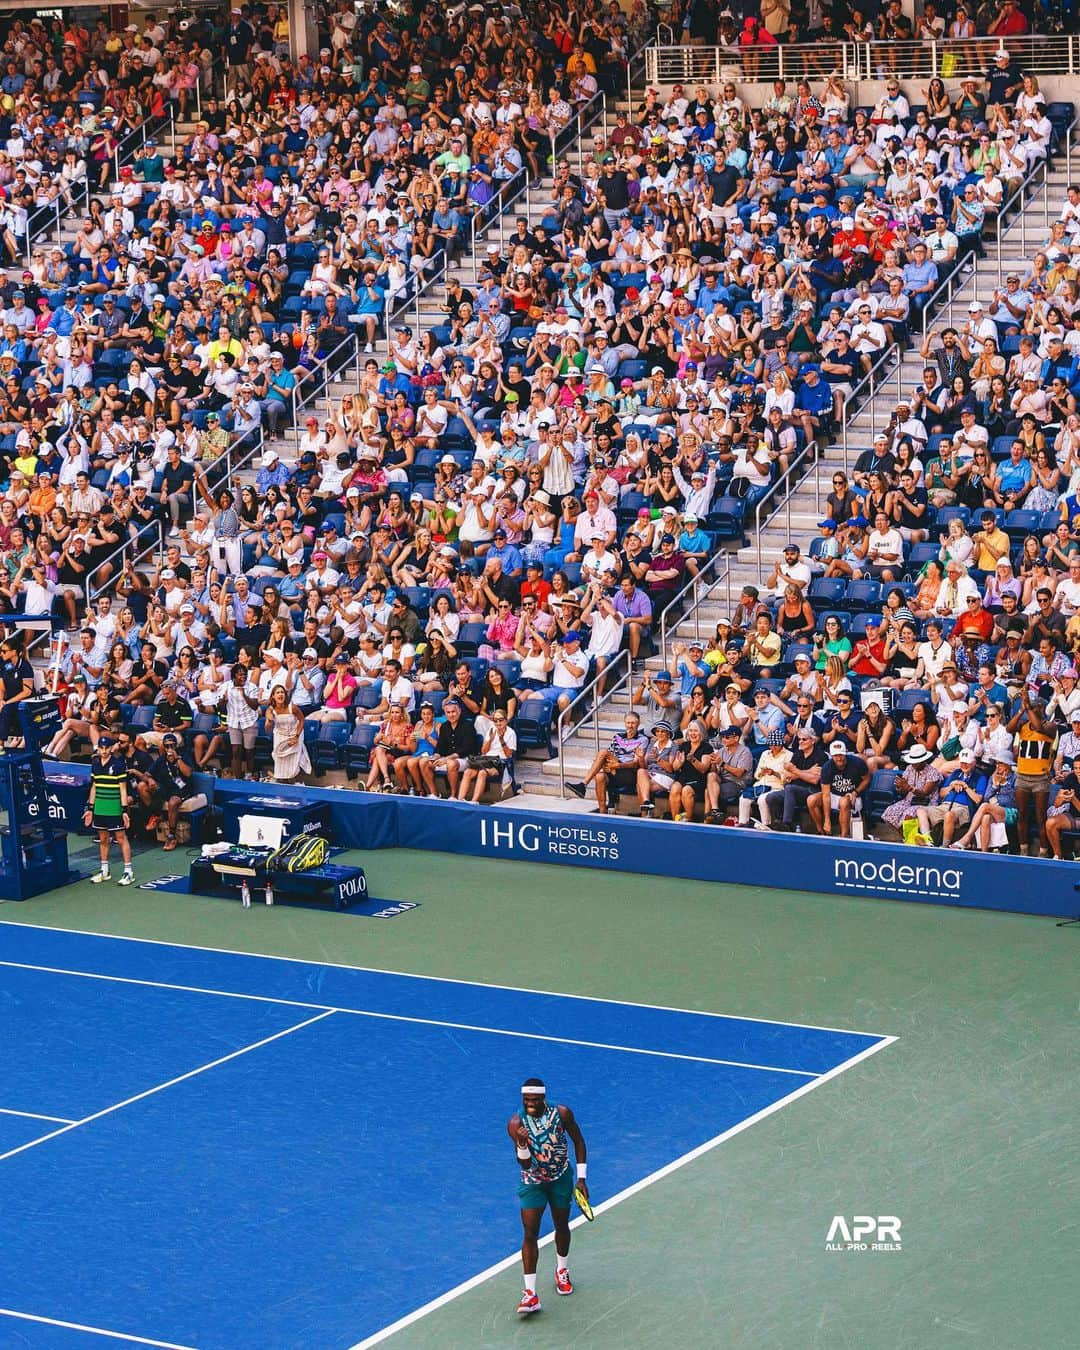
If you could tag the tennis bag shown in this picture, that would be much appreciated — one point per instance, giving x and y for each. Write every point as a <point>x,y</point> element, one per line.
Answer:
<point>300,854</point>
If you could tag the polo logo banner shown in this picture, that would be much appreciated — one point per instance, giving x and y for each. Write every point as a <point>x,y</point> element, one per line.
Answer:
<point>165,883</point>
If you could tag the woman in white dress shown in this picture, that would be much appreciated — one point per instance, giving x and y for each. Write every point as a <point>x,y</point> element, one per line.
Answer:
<point>289,751</point>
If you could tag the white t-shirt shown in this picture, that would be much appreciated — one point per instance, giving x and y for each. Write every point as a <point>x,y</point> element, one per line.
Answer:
<point>398,690</point>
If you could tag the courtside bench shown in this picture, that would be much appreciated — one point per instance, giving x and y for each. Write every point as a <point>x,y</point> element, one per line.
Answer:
<point>331,884</point>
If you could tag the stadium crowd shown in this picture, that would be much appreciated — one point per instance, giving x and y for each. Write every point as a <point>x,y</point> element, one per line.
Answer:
<point>416,583</point>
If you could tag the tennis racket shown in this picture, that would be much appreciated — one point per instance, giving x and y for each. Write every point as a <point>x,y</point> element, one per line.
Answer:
<point>583,1204</point>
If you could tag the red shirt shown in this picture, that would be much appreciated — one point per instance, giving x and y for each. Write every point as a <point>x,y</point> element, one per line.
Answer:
<point>539,588</point>
<point>861,657</point>
<point>979,621</point>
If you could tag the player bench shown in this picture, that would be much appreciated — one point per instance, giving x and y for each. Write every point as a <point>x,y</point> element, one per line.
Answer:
<point>330,884</point>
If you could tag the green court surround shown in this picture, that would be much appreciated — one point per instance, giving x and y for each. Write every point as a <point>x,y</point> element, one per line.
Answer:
<point>965,1128</point>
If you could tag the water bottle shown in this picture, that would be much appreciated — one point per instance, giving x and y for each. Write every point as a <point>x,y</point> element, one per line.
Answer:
<point>857,831</point>
<point>245,894</point>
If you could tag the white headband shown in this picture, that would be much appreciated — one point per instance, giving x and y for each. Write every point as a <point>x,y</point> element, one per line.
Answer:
<point>534,1090</point>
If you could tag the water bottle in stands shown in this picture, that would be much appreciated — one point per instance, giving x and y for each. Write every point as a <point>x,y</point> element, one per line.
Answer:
<point>857,820</point>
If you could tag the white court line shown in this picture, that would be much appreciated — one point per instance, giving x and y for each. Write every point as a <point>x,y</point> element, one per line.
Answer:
<point>438,979</point>
<point>92,1331</point>
<point>180,1078</point>
<point>510,1261</point>
<point>400,1017</point>
<point>33,1115</point>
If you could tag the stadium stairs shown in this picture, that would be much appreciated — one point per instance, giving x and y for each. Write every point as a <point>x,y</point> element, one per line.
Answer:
<point>795,515</point>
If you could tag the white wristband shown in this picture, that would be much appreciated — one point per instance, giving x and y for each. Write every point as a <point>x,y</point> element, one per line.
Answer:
<point>582,1171</point>
<point>524,1155</point>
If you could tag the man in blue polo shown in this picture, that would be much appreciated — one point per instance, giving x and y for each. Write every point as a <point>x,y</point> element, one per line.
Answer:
<point>920,277</point>
<point>636,609</point>
<point>508,554</point>
<point>765,716</point>
<point>813,403</point>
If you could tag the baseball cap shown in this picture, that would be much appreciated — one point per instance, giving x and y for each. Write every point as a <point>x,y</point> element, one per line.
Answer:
<point>838,748</point>
<point>968,756</point>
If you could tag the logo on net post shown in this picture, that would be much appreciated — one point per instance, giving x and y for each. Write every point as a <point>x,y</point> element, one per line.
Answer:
<point>895,876</point>
<point>864,1233</point>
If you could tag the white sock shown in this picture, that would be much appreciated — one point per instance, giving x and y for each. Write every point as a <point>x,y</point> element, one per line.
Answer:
<point>104,869</point>
<point>561,1261</point>
<point>530,1283</point>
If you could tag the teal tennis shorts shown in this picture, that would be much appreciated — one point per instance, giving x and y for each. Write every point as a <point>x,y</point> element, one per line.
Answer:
<point>557,1194</point>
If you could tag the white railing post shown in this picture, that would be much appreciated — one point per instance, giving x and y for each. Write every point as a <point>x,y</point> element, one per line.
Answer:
<point>1046,192</point>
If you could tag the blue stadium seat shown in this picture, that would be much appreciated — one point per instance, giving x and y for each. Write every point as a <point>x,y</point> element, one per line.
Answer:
<point>469,639</point>
<point>881,793</point>
<point>862,595</point>
<point>356,753</point>
<point>827,591</point>
<point>909,698</point>
<point>329,746</point>
<point>1019,524</point>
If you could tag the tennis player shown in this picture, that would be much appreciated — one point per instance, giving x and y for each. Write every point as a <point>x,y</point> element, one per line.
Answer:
<point>106,809</point>
<point>540,1132</point>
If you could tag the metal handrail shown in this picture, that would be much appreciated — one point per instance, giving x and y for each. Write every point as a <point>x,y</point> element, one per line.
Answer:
<point>867,381</point>
<point>494,213</point>
<point>564,734</point>
<point>670,616</point>
<point>1038,54</point>
<point>788,476</point>
<point>327,370</point>
<point>50,217</point>
<point>139,135</point>
<point>226,457</point>
<point>157,545</point>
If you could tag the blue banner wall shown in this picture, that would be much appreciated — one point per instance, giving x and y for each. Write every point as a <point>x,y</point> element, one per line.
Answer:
<point>708,853</point>
<point>364,820</point>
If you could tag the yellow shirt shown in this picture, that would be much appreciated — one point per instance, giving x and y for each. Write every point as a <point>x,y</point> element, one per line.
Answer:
<point>985,560</point>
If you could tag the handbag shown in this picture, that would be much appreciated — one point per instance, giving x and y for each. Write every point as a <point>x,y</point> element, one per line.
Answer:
<point>489,762</point>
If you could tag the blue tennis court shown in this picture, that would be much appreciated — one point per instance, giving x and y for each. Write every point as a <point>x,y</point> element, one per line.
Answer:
<point>210,1149</point>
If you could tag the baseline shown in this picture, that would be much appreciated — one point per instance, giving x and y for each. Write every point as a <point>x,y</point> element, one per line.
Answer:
<point>509,1262</point>
<point>172,1082</point>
